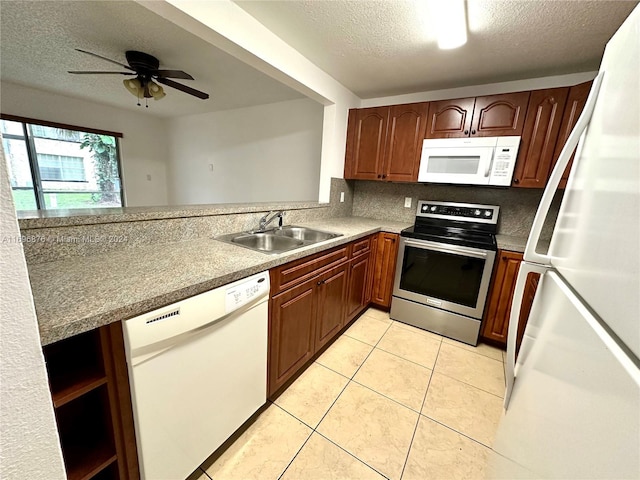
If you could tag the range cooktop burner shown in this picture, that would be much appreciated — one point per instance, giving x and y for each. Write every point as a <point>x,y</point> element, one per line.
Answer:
<point>464,224</point>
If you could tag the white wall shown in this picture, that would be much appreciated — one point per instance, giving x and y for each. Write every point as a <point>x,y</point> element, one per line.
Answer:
<point>226,26</point>
<point>143,145</point>
<point>487,89</point>
<point>262,153</point>
<point>29,445</point>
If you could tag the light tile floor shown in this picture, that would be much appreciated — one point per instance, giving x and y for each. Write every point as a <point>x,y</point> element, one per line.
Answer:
<point>386,400</point>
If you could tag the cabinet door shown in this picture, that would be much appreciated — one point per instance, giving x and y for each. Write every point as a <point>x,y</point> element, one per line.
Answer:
<point>527,302</point>
<point>356,296</point>
<point>575,104</point>
<point>331,292</point>
<point>292,322</point>
<point>499,115</point>
<point>541,128</point>
<point>365,150</point>
<point>496,319</point>
<point>407,125</point>
<point>450,118</point>
<point>385,269</point>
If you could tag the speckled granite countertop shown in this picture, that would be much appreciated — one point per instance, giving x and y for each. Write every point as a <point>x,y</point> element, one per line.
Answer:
<point>517,244</point>
<point>508,242</point>
<point>82,293</point>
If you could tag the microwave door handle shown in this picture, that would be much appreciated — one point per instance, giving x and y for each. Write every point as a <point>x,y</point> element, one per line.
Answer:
<point>490,163</point>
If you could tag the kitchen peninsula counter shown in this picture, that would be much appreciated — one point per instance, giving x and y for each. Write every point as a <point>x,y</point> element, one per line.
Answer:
<point>80,293</point>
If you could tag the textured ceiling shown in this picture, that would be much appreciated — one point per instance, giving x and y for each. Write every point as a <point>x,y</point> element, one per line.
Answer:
<point>380,48</point>
<point>37,45</point>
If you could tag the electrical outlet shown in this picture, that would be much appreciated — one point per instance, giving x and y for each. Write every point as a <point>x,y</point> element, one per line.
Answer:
<point>341,197</point>
<point>407,202</point>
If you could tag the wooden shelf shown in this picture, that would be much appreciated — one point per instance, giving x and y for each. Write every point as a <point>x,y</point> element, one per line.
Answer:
<point>86,461</point>
<point>90,393</point>
<point>76,387</point>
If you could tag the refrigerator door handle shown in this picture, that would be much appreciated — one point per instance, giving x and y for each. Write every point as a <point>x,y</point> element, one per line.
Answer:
<point>530,254</point>
<point>516,307</point>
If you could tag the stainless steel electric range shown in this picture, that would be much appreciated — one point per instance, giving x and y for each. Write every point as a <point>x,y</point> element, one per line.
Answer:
<point>444,267</point>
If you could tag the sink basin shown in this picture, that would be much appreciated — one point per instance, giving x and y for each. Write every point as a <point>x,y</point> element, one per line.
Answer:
<point>278,240</point>
<point>267,242</point>
<point>305,234</point>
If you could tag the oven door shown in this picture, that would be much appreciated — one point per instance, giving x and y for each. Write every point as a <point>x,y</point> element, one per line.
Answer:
<point>464,165</point>
<point>444,276</point>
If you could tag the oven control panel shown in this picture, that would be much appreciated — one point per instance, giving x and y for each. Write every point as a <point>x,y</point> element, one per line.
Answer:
<point>458,211</point>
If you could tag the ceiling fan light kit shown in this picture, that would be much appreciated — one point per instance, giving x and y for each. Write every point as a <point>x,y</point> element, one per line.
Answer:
<point>145,67</point>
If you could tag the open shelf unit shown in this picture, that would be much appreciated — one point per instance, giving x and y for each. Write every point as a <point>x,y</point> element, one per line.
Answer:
<point>90,393</point>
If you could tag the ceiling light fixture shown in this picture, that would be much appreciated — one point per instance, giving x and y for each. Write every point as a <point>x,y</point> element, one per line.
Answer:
<point>450,21</point>
<point>145,88</point>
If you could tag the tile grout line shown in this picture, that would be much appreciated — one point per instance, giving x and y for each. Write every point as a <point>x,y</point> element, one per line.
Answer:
<point>352,455</point>
<point>470,385</point>
<point>471,351</point>
<point>458,432</point>
<point>404,466</point>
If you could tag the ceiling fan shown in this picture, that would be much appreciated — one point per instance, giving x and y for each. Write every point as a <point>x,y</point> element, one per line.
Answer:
<point>146,71</point>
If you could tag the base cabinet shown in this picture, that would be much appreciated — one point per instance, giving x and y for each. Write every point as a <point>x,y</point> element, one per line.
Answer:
<point>495,325</point>
<point>90,392</point>
<point>304,317</point>
<point>292,326</point>
<point>384,268</point>
<point>331,292</point>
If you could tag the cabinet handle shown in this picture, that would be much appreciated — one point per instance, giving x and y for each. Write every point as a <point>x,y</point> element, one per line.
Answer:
<point>379,176</point>
<point>515,180</point>
<point>473,132</point>
<point>319,282</point>
<point>393,240</point>
<point>466,132</point>
<point>504,258</point>
<point>384,176</point>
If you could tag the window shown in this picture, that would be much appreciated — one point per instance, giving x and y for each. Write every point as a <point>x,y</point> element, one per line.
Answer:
<point>62,168</point>
<point>53,167</point>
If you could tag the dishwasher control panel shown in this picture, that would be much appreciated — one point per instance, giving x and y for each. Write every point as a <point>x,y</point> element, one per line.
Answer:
<point>241,293</point>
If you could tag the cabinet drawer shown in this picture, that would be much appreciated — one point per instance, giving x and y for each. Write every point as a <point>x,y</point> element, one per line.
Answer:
<point>293,273</point>
<point>360,247</point>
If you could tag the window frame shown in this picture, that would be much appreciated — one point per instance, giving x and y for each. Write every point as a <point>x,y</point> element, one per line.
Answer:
<point>29,140</point>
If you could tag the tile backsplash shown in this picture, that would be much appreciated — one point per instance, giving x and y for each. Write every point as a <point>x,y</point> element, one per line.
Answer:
<point>383,200</point>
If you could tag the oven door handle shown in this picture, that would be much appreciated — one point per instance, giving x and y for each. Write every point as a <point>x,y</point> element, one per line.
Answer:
<point>456,250</point>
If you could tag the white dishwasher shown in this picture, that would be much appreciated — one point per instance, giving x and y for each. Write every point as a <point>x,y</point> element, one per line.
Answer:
<point>198,370</point>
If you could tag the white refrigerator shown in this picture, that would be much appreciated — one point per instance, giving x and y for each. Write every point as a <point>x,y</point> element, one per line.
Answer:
<point>572,405</point>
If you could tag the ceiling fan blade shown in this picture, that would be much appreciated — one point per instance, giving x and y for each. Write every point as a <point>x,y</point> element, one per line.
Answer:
<point>105,58</point>
<point>171,74</point>
<point>100,73</point>
<point>183,88</point>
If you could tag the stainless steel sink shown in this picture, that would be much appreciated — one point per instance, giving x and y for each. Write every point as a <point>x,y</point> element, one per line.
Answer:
<point>267,242</point>
<point>278,240</point>
<point>305,234</point>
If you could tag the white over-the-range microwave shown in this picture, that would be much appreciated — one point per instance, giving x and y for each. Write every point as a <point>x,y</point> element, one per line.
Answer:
<point>469,161</point>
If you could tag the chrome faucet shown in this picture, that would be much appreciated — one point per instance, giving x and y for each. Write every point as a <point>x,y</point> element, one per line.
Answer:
<point>264,221</point>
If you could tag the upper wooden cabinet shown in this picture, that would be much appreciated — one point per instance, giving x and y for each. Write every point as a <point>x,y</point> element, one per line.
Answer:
<point>490,116</point>
<point>575,104</point>
<point>450,118</point>
<point>384,143</point>
<point>366,135</point>
<point>538,142</point>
